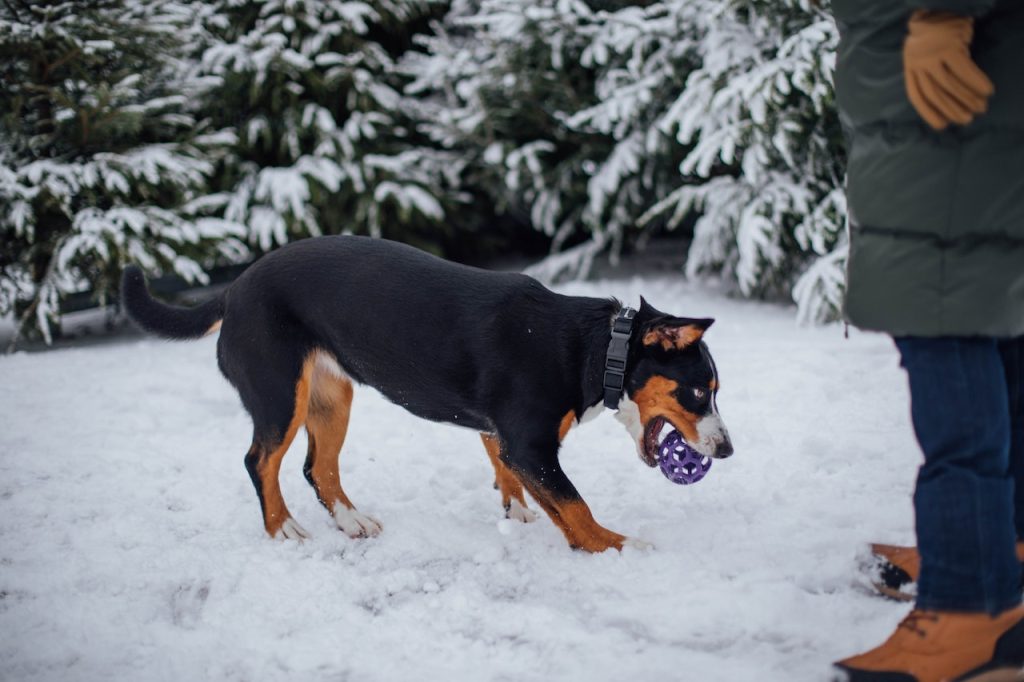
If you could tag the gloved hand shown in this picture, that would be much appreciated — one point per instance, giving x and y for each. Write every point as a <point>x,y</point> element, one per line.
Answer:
<point>943,82</point>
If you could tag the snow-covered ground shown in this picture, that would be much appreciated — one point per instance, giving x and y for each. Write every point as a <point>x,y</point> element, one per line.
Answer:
<point>132,548</point>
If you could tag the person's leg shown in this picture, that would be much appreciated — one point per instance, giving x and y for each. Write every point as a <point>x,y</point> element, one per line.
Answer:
<point>968,620</point>
<point>895,568</point>
<point>964,496</point>
<point>1012,352</point>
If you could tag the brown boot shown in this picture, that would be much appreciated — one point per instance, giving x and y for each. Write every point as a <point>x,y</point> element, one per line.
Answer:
<point>896,570</point>
<point>944,646</point>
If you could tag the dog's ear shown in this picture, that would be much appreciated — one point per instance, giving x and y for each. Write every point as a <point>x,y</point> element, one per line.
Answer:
<point>648,312</point>
<point>675,333</point>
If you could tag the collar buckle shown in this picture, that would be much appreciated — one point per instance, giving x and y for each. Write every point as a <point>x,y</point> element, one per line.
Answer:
<point>615,359</point>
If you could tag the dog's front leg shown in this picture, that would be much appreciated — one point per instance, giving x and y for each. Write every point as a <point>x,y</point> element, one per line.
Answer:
<point>535,461</point>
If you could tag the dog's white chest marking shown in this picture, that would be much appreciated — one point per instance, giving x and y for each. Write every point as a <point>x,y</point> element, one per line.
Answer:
<point>591,412</point>
<point>628,415</point>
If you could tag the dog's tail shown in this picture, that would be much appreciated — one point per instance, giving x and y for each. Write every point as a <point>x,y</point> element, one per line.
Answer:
<point>168,321</point>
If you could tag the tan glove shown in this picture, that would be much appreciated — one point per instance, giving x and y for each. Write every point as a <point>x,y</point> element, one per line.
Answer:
<point>943,82</point>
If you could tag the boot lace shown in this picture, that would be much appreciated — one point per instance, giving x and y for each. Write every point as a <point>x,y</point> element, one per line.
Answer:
<point>913,622</point>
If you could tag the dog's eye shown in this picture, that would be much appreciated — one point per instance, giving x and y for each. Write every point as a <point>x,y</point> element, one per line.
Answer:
<point>699,393</point>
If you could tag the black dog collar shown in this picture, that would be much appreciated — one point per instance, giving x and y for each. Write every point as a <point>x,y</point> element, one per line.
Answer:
<point>615,360</point>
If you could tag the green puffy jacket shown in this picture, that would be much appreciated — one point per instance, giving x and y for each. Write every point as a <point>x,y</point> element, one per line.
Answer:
<point>936,218</point>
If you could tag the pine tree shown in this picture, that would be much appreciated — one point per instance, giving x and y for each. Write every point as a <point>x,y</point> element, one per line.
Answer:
<point>765,160</point>
<point>605,122</point>
<point>154,130</point>
<point>99,156</point>
<point>324,145</point>
<point>554,105</point>
<point>498,81</point>
<point>640,54</point>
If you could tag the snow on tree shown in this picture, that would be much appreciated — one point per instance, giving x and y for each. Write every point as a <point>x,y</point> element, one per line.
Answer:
<point>499,80</point>
<point>765,160</point>
<point>99,156</point>
<point>600,122</point>
<point>154,130</point>
<point>310,89</point>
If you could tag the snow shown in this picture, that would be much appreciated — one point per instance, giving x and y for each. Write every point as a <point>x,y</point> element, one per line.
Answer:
<point>132,548</point>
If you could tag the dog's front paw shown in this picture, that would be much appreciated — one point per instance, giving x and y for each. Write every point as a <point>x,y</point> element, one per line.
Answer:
<point>636,543</point>
<point>291,530</point>
<point>518,512</point>
<point>354,523</point>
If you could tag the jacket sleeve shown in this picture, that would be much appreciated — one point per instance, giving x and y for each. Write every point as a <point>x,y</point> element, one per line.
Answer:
<point>967,8</point>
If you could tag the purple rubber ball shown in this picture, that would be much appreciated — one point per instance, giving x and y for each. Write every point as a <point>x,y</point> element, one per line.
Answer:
<point>679,462</point>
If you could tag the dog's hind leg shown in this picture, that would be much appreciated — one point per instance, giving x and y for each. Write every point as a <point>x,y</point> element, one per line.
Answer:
<point>330,404</point>
<point>275,424</point>
<point>507,483</point>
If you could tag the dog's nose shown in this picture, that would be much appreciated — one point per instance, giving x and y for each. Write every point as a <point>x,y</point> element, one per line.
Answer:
<point>724,449</point>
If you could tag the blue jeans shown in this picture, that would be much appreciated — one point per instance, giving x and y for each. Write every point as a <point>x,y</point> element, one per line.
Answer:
<point>967,405</point>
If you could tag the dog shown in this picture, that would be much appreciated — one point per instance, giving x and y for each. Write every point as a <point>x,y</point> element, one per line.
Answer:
<point>493,351</point>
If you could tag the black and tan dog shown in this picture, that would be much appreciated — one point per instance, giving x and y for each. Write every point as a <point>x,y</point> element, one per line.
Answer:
<point>496,352</point>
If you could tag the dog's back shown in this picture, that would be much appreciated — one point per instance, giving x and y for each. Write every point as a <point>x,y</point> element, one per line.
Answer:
<point>421,330</point>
